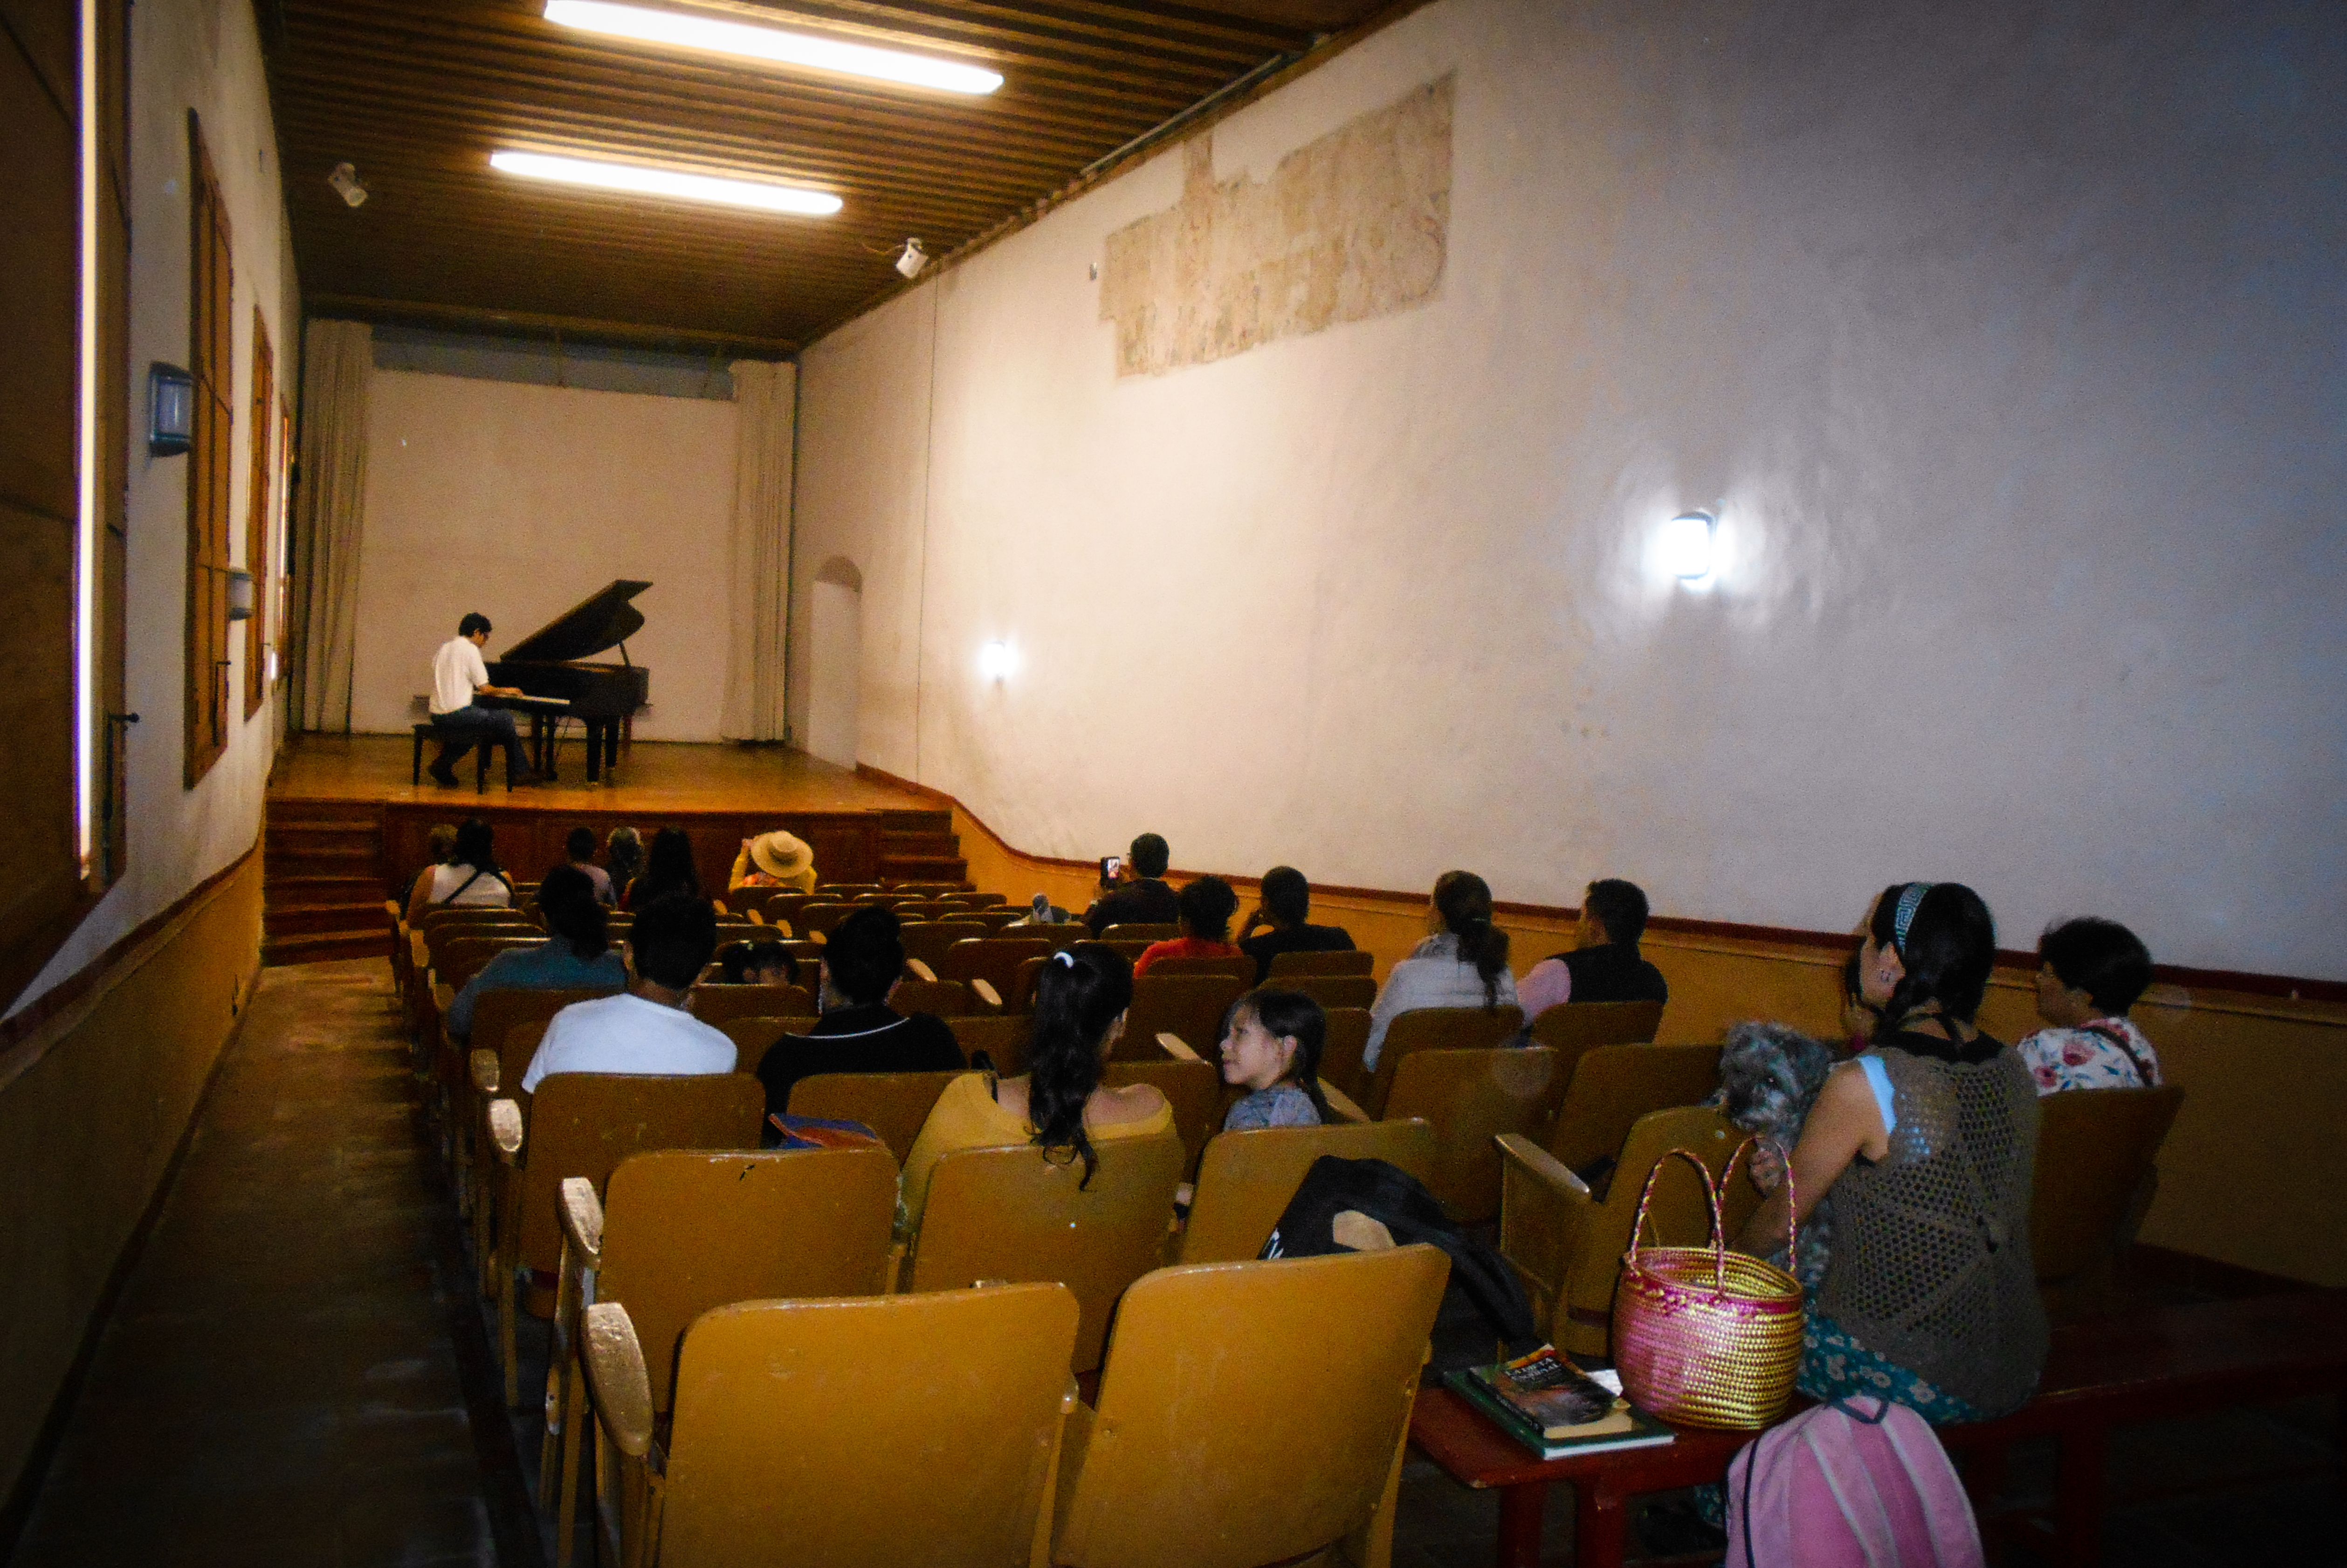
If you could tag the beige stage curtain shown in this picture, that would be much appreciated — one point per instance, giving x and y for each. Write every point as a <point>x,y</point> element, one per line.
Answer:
<point>764,397</point>
<point>337,359</point>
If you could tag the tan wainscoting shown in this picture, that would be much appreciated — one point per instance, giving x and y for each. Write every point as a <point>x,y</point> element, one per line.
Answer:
<point>93,1104</point>
<point>2254,1173</point>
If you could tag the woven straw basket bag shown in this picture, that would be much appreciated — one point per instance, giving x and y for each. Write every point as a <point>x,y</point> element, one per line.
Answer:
<point>1704,1336</point>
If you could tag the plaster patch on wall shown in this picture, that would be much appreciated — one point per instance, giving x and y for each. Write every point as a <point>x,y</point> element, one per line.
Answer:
<point>1350,226</point>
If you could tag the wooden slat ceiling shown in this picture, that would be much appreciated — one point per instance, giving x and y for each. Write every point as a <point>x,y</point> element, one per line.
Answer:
<point>418,95</point>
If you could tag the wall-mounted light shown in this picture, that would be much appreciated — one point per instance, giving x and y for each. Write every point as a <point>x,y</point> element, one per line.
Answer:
<point>240,594</point>
<point>997,660</point>
<point>345,181</point>
<point>912,258</point>
<point>1686,544</point>
<point>171,410</point>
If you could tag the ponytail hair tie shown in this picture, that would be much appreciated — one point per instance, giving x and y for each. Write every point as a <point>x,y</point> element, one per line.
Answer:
<point>1910,900</point>
<point>1064,957</point>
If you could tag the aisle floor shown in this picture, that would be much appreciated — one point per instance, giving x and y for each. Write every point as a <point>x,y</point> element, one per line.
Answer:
<point>297,1371</point>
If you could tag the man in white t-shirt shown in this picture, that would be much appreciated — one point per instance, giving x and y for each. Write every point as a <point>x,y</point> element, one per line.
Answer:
<point>645,1029</point>
<point>457,673</point>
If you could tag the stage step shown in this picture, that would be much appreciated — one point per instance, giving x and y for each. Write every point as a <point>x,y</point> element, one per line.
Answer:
<point>293,919</point>
<point>317,947</point>
<point>917,846</point>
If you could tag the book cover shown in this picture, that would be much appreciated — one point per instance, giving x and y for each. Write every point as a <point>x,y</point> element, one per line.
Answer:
<point>1554,1409</point>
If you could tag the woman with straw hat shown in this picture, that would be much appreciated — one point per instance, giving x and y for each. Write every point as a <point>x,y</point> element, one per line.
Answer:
<point>774,860</point>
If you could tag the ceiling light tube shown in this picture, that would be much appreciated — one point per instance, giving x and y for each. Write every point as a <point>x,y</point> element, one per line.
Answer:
<point>687,30</point>
<point>644,180</point>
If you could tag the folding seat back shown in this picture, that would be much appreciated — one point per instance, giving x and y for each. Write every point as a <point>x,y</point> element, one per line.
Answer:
<point>1437,1028</point>
<point>1471,1098</point>
<point>1247,1180</point>
<point>1614,1085</point>
<point>893,1104</point>
<point>713,1005</point>
<point>1342,961</point>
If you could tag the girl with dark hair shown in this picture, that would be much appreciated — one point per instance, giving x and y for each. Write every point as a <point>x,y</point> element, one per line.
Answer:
<point>1271,1046</point>
<point>1462,963</point>
<point>1207,905</point>
<point>668,868</point>
<point>1927,1141</point>
<point>1059,1104</point>
<point>576,956</point>
<point>470,877</point>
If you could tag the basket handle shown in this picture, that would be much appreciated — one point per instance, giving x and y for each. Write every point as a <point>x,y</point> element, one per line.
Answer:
<point>1792,1200</point>
<point>1711,1195</point>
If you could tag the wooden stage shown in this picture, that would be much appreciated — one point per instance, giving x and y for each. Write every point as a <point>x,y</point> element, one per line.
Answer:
<point>346,829</point>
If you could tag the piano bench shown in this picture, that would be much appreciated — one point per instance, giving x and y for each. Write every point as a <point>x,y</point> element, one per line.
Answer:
<point>489,743</point>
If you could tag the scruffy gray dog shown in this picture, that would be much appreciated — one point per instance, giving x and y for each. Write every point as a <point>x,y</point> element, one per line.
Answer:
<point>1769,1076</point>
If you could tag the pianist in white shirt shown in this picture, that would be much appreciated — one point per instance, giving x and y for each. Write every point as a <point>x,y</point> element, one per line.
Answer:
<point>457,676</point>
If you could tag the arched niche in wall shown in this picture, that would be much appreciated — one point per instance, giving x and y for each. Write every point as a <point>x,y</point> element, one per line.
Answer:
<point>835,657</point>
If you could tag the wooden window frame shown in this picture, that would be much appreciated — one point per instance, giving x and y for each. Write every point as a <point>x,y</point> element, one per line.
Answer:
<point>211,361</point>
<point>259,492</point>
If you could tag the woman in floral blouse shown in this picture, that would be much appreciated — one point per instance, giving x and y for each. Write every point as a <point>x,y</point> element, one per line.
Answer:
<point>2089,973</point>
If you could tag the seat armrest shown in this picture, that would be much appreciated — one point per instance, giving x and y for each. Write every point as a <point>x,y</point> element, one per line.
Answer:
<point>921,971</point>
<point>444,996</point>
<point>1342,1103</point>
<point>983,989</point>
<point>391,907</point>
<point>756,918</point>
<point>505,1130</point>
<point>1175,1047</point>
<point>582,1220</point>
<point>1545,1209</point>
<point>615,1371</point>
<point>485,1069</point>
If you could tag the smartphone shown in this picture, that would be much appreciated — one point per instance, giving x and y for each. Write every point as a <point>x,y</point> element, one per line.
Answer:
<point>1110,865</point>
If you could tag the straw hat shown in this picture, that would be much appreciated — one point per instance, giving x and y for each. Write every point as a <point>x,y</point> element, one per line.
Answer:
<point>777,854</point>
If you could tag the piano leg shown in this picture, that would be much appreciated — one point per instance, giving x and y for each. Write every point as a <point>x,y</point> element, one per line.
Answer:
<point>594,748</point>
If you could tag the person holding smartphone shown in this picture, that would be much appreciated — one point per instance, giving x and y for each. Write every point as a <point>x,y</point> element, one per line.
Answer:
<point>1133,890</point>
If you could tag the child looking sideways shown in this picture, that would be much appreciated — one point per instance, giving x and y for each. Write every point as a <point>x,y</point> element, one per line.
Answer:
<point>1271,1047</point>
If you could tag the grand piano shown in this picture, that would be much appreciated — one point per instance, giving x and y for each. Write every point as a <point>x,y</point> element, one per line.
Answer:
<point>550,665</point>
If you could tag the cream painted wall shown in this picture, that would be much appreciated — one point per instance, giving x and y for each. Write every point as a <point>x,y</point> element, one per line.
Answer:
<point>2012,347</point>
<point>204,54</point>
<point>519,501</point>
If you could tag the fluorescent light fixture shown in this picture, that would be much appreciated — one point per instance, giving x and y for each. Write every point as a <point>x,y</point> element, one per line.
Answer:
<point>642,179</point>
<point>689,30</point>
<point>86,435</point>
<point>997,660</point>
<point>1686,545</point>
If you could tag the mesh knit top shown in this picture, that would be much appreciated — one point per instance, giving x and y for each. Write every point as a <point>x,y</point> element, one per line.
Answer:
<point>1930,1263</point>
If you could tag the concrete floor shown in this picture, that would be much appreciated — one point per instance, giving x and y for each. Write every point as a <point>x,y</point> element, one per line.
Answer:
<point>297,1372</point>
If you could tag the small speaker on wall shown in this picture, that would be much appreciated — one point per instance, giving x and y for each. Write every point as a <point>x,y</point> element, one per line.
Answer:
<point>171,410</point>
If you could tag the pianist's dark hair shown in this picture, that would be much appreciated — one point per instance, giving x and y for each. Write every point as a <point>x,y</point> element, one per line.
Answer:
<point>474,622</point>
<point>572,912</point>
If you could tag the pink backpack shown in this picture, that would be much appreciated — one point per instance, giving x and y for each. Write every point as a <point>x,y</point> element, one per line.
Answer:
<point>1859,1483</point>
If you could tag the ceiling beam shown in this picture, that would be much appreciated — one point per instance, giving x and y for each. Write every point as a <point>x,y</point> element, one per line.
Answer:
<point>510,324</point>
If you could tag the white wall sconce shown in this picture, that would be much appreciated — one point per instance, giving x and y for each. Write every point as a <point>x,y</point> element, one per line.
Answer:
<point>240,594</point>
<point>997,660</point>
<point>911,260</point>
<point>345,181</point>
<point>1686,544</point>
<point>171,410</point>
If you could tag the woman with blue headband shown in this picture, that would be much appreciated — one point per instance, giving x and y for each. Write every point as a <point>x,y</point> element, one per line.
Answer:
<point>1928,1142</point>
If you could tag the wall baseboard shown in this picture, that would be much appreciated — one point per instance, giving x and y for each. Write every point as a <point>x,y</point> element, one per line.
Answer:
<point>2291,987</point>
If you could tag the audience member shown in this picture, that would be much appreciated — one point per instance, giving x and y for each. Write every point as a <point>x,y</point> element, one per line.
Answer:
<point>758,963</point>
<point>858,1032</point>
<point>1286,902</point>
<point>1271,1048</point>
<point>470,877</point>
<point>1207,906</point>
<point>1140,895</point>
<point>577,957</point>
<point>2089,972</point>
<point>774,860</point>
<point>579,848</point>
<point>1059,1103</point>
<point>623,852</point>
<point>438,846</point>
<point>668,868</point>
<point>1926,1144</point>
<point>1604,965</point>
<point>1464,963</point>
<point>645,1029</point>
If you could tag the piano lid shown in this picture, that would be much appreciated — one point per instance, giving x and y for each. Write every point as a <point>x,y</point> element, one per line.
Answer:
<point>603,620</point>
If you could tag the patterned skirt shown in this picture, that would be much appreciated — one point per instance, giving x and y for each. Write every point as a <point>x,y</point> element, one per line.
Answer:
<point>1834,1365</point>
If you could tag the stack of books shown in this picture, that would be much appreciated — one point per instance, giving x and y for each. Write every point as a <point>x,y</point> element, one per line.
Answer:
<point>1554,1409</point>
